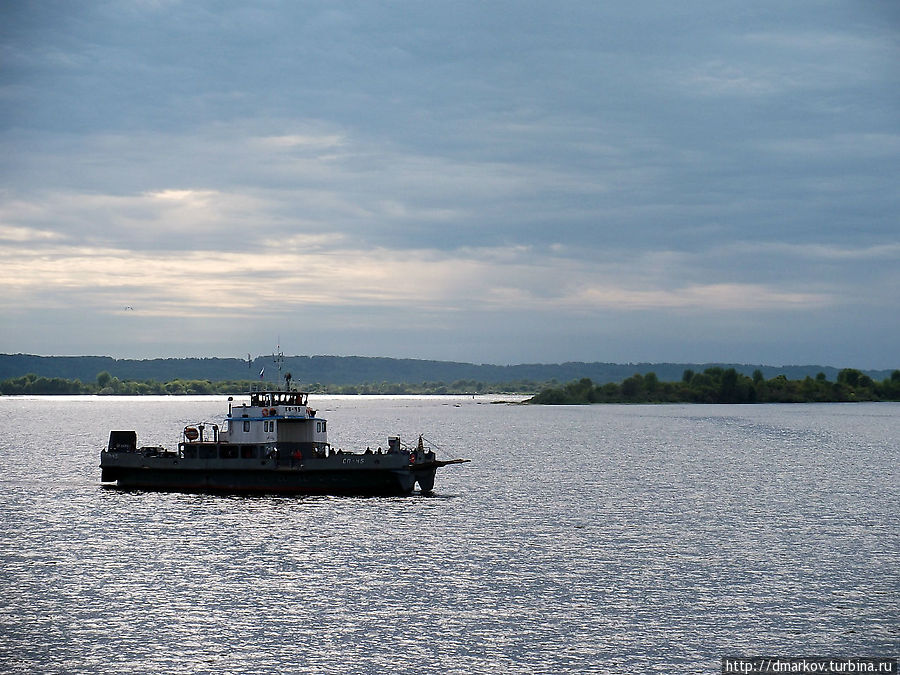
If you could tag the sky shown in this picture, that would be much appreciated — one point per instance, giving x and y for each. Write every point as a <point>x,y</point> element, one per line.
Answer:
<point>489,182</point>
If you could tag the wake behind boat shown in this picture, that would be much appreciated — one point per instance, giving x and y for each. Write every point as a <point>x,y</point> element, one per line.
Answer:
<point>274,443</point>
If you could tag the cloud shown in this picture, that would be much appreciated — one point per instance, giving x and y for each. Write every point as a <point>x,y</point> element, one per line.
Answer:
<point>18,235</point>
<point>294,141</point>
<point>808,60</point>
<point>151,219</point>
<point>838,147</point>
<point>327,271</point>
<point>725,78</point>
<point>819,253</point>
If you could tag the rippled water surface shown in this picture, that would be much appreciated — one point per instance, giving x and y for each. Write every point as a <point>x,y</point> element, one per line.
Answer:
<point>580,539</point>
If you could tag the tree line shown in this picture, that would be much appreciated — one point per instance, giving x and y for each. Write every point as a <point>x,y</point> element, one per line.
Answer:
<point>108,385</point>
<point>712,385</point>
<point>720,385</point>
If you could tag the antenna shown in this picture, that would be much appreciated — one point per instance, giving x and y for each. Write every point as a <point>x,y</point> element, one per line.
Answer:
<point>278,358</point>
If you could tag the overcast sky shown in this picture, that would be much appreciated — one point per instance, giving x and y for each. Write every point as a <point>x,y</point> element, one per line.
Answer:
<point>497,182</point>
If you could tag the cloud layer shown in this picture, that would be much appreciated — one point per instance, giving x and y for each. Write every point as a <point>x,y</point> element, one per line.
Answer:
<point>504,183</point>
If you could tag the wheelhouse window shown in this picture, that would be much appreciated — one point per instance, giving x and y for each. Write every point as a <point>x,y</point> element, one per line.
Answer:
<point>246,426</point>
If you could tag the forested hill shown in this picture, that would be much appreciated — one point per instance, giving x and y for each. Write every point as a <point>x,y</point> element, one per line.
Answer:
<point>348,370</point>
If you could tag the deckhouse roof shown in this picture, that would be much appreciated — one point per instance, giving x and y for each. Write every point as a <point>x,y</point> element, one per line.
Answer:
<point>278,397</point>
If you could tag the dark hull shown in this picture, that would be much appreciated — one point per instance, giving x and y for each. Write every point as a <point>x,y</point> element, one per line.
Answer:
<point>164,474</point>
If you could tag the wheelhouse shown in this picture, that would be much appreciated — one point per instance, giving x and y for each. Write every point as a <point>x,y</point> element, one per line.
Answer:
<point>272,423</point>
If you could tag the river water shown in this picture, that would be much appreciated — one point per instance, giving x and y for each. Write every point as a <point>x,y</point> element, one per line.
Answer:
<point>618,539</point>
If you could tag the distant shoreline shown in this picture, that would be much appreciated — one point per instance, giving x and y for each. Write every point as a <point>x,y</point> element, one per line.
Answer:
<point>106,385</point>
<point>713,385</point>
<point>320,372</point>
<point>720,385</point>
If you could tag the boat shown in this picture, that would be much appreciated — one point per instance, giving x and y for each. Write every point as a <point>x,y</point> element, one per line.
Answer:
<point>273,443</point>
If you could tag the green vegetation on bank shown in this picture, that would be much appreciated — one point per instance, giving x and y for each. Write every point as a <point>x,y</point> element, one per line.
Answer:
<point>107,385</point>
<point>719,385</point>
<point>713,385</point>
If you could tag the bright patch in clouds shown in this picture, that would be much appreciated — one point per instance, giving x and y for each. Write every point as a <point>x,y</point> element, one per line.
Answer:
<point>302,141</point>
<point>727,297</point>
<point>26,234</point>
<point>280,275</point>
<point>189,197</point>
